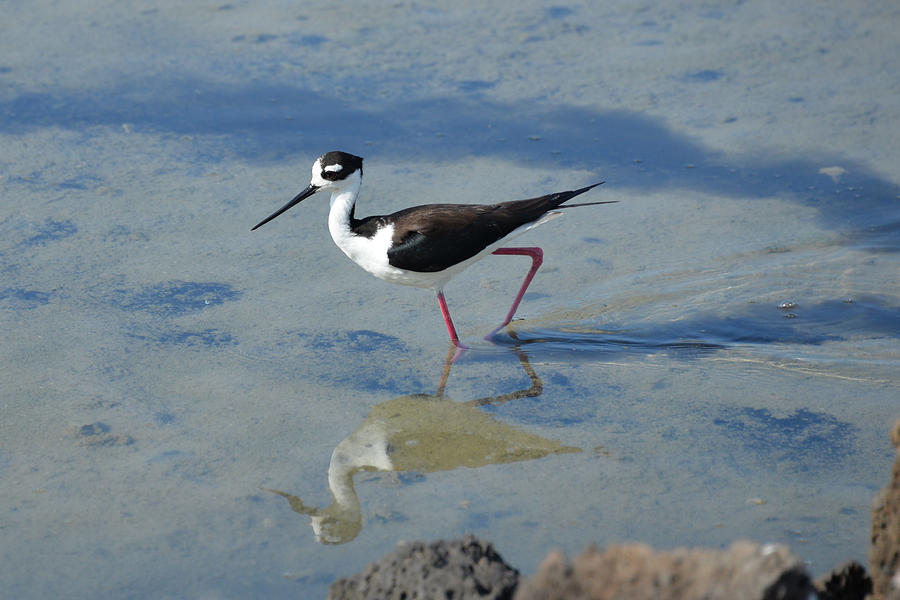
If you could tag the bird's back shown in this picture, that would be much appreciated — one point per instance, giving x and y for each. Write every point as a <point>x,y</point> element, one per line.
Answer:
<point>434,237</point>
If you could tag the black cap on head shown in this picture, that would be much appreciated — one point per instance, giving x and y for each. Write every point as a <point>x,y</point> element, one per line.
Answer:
<point>337,165</point>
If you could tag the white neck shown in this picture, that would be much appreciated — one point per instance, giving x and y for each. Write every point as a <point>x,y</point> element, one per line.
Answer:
<point>370,253</point>
<point>342,202</point>
<point>365,252</point>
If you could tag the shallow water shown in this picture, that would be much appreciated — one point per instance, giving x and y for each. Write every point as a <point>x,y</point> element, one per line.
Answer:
<point>713,357</point>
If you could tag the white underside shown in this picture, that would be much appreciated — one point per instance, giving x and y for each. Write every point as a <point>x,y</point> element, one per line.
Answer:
<point>371,253</point>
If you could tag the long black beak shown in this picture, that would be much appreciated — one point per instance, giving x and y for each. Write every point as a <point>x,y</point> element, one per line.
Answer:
<point>309,191</point>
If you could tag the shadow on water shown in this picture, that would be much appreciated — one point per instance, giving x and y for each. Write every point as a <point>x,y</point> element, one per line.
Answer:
<point>418,434</point>
<point>801,324</point>
<point>275,123</point>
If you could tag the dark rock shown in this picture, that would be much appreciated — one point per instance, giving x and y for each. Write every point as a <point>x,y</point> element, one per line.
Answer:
<point>884,552</point>
<point>790,585</point>
<point>459,569</point>
<point>847,582</point>
<point>636,571</point>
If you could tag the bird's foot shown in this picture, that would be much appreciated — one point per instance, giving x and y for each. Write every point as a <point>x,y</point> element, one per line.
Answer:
<point>458,350</point>
<point>490,337</point>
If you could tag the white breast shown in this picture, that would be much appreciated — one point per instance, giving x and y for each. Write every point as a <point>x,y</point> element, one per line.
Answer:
<point>368,253</point>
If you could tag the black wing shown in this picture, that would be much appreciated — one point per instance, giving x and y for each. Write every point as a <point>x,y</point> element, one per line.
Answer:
<point>434,237</point>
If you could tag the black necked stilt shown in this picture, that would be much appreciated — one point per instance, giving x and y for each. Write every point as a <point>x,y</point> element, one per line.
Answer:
<point>425,246</point>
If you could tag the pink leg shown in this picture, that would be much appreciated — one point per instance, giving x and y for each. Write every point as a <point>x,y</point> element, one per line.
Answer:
<point>454,339</point>
<point>537,257</point>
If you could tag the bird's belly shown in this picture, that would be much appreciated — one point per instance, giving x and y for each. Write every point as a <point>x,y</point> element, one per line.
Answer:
<point>432,280</point>
<point>371,253</point>
<point>379,266</point>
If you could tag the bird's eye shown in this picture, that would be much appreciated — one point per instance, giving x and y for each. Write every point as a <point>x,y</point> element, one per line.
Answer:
<point>331,172</point>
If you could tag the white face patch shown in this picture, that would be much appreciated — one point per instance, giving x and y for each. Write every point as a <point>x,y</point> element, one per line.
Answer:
<point>335,170</point>
<point>317,178</point>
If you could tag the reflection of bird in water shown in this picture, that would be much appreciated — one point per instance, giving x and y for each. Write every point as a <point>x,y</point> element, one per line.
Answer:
<point>425,246</point>
<point>421,433</point>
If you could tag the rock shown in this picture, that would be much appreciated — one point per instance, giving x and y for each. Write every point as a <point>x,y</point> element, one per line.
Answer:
<point>636,571</point>
<point>847,582</point>
<point>459,569</point>
<point>884,552</point>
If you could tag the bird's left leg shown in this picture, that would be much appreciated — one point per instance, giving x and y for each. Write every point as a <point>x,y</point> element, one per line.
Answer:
<point>445,312</point>
<point>537,257</point>
<point>456,346</point>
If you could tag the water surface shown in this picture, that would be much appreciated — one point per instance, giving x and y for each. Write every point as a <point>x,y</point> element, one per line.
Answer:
<point>713,357</point>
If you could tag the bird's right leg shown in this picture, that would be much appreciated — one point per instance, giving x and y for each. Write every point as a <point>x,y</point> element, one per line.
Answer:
<point>537,258</point>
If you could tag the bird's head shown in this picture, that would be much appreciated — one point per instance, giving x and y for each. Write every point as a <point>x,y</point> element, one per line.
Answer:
<point>333,171</point>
